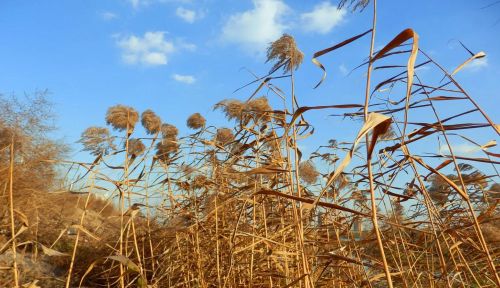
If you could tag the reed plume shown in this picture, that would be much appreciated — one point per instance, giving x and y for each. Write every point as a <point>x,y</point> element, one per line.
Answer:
<point>285,54</point>
<point>224,136</point>
<point>232,108</point>
<point>122,117</point>
<point>151,122</point>
<point>136,147</point>
<point>169,131</point>
<point>97,140</point>
<point>308,172</point>
<point>196,121</point>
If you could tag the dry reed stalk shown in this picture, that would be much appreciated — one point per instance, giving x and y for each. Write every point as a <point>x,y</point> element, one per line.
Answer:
<point>368,160</point>
<point>11,206</point>
<point>77,241</point>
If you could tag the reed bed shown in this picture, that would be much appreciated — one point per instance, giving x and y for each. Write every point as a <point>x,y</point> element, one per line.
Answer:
<point>241,207</point>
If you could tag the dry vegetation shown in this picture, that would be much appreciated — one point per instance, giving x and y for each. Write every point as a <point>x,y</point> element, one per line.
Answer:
<point>240,207</point>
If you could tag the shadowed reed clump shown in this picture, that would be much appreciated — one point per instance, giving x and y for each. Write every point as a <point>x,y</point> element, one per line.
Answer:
<point>122,117</point>
<point>285,54</point>
<point>165,148</point>
<point>224,136</point>
<point>151,122</point>
<point>308,172</point>
<point>135,147</point>
<point>97,140</point>
<point>260,109</point>
<point>196,121</point>
<point>168,145</point>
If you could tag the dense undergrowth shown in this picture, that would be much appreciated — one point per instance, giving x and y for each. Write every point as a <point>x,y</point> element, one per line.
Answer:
<point>240,206</point>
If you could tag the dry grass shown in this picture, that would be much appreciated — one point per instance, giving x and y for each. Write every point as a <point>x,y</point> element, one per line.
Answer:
<point>243,207</point>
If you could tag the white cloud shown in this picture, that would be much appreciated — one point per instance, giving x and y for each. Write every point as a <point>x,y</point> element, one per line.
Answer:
<point>255,28</point>
<point>477,64</point>
<point>187,15</point>
<point>464,148</point>
<point>323,18</point>
<point>136,3</point>
<point>343,69</point>
<point>151,49</point>
<point>186,79</point>
<point>108,16</point>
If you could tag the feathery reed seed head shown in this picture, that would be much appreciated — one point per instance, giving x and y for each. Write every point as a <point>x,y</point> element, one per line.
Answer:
<point>97,140</point>
<point>224,136</point>
<point>259,109</point>
<point>122,117</point>
<point>285,54</point>
<point>308,172</point>
<point>196,121</point>
<point>135,147</point>
<point>151,122</point>
<point>169,131</point>
<point>232,108</point>
<point>166,147</point>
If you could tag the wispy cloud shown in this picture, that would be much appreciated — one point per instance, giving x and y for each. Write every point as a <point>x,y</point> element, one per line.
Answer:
<point>152,49</point>
<point>108,16</point>
<point>464,148</point>
<point>343,69</point>
<point>255,28</point>
<point>137,3</point>
<point>186,79</point>
<point>323,18</point>
<point>187,15</point>
<point>477,64</point>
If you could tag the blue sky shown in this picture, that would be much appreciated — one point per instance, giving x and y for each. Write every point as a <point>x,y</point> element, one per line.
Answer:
<point>181,57</point>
